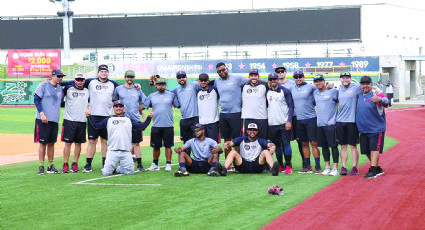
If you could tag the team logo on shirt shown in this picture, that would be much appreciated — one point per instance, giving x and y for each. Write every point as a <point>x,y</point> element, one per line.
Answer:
<point>75,94</point>
<point>249,91</point>
<point>201,97</point>
<point>271,98</point>
<point>101,87</point>
<point>116,122</point>
<point>247,147</point>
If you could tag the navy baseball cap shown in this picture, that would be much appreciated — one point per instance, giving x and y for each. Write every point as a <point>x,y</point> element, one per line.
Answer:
<point>318,78</point>
<point>298,73</point>
<point>118,102</point>
<point>204,77</point>
<point>253,71</point>
<point>280,67</point>
<point>102,67</point>
<point>57,72</point>
<point>366,79</point>
<point>345,74</point>
<point>273,76</point>
<point>198,126</point>
<point>181,73</point>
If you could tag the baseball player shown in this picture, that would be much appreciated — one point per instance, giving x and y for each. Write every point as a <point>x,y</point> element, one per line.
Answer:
<point>74,120</point>
<point>162,132</point>
<point>205,154</point>
<point>255,153</point>
<point>119,129</point>
<point>326,109</point>
<point>208,98</point>
<point>280,112</point>
<point>132,99</point>
<point>47,100</point>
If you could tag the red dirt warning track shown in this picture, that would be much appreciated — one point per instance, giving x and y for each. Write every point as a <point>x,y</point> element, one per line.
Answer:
<point>392,201</point>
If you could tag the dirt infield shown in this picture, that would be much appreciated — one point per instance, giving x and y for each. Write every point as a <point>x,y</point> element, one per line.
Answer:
<point>392,201</point>
<point>17,148</point>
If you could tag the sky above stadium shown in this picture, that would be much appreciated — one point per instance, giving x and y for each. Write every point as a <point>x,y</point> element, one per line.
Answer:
<point>45,7</point>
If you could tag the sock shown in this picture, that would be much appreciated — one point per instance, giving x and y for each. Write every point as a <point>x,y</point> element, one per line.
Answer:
<point>307,162</point>
<point>182,165</point>
<point>74,163</point>
<point>50,163</point>
<point>317,160</point>
<point>65,163</point>
<point>214,164</point>
<point>103,160</point>
<point>168,162</point>
<point>89,160</point>
<point>335,154</point>
<point>326,154</point>
<point>155,161</point>
<point>139,161</point>
<point>41,163</point>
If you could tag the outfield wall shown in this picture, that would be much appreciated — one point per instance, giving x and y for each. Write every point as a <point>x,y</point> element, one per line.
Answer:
<point>22,92</point>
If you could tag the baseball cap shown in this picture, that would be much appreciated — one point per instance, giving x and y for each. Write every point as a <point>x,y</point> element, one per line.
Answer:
<point>345,74</point>
<point>161,81</point>
<point>180,73</point>
<point>79,75</point>
<point>253,71</point>
<point>318,78</point>
<point>129,73</point>
<point>366,79</point>
<point>298,73</point>
<point>280,67</point>
<point>203,76</point>
<point>198,126</point>
<point>118,102</point>
<point>252,126</point>
<point>273,76</point>
<point>57,72</point>
<point>102,67</point>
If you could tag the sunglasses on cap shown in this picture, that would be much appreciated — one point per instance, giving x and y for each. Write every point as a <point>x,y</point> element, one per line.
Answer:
<point>181,76</point>
<point>280,71</point>
<point>160,83</point>
<point>197,129</point>
<point>203,80</point>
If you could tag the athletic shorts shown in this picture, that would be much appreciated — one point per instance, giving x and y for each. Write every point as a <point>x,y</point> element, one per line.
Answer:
<point>262,125</point>
<point>230,125</point>
<point>250,167</point>
<point>371,142</point>
<point>95,133</point>
<point>136,136</point>
<point>347,133</point>
<point>73,131</point>
<point>326,136</point>
<point>198,167</point>
<point>162,135</point>
<point>212,131</point>
<point>278,134</point>
<point>307,130</point>
<point>186,132</point>
<point>45,133</point>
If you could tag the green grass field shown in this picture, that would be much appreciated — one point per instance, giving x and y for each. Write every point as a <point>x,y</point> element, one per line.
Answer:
<point>238,201</point>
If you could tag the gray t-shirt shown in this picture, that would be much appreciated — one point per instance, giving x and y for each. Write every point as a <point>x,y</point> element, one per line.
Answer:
<point>51,97</point>
<point>347,98</point>
<point>187,98</point>
<point>230,93</point>
<point>304,101</point>
<point>132,98</point>
<point>101,96</point>
<point>162,105</point>
<point>201,149</point>
<point>326,105</point>
<point>208,105</point>
<point>76,101</point>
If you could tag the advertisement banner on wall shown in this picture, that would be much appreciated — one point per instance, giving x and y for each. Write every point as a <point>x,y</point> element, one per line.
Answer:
<point>33,63</point>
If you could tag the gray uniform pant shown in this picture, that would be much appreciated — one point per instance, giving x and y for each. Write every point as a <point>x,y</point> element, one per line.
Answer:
<point>113,157</point>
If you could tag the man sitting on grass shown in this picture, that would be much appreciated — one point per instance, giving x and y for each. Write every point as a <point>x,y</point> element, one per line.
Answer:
<point>205,154</point>
<point>255,153</point>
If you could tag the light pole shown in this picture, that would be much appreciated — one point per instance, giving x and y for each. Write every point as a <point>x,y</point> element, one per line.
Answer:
<point>67,25</point>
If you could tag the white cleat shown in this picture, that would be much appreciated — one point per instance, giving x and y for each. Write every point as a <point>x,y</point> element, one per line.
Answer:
<point>153,167</point>
<point>168,167</point>
<point>326,171</point>
<point>334,172</point>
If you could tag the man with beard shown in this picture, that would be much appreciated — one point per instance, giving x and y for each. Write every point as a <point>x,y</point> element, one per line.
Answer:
<point>162,132</point>
<point>132,99</point>
<point>205,154</point>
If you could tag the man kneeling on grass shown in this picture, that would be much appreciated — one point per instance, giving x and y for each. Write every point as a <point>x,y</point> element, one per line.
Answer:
<point>255,154</point>
<point>205,154</point>
<point>119,139</point>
